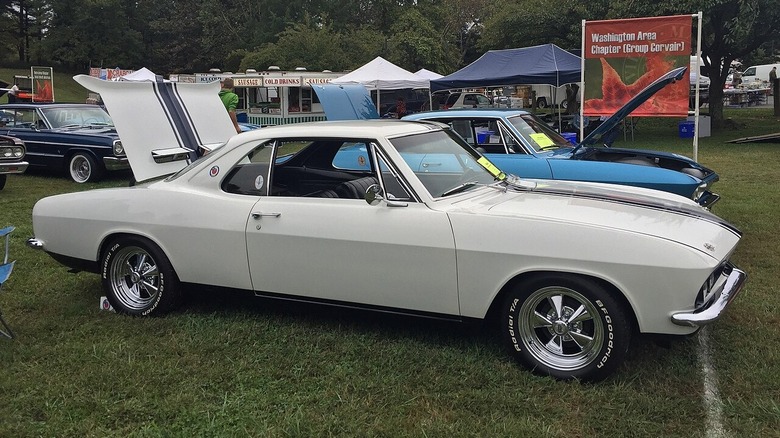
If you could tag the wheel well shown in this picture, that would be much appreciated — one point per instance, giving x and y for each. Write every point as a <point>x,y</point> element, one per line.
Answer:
<point>495,307</point>
<point>111,238</point>
<point>73,152</point>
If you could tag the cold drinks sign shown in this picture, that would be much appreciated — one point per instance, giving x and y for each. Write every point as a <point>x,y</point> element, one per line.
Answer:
<point>624,56</point>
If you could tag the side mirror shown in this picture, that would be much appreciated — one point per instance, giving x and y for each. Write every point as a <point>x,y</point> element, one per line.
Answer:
<point>374,194</point>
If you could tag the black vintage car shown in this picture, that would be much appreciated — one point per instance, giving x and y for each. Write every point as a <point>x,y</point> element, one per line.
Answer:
<point>78,138</point>
<point>11,157</point>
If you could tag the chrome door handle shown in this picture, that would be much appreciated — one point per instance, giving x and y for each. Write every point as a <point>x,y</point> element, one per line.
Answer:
<point>258,215</point>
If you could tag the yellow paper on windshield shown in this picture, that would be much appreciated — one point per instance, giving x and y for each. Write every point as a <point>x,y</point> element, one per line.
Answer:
<point>491,168</point>
<point>542,139</point>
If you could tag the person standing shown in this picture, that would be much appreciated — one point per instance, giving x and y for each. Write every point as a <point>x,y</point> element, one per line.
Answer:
<point>400,107</point>
<point>230,100</point>
<point>13,94</point>
<point>736,79</point>
<point>773,76</point>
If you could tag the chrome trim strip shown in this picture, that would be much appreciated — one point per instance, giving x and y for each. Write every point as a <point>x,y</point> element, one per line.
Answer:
<point>710,312</point>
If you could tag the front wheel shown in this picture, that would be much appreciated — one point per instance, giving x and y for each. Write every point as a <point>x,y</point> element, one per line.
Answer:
<point>565,326</point>
<point>138,278</point>
<point>83,168</point>
<point>541,103</point>
<point>3,178</point>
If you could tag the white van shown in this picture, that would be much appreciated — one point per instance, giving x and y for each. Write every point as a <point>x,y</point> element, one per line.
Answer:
<point>757,73</point>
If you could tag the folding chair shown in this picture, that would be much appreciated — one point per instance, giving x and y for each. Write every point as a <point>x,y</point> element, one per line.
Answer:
<point>5,272</point>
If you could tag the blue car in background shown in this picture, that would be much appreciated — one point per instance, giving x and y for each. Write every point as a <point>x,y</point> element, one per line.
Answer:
<point>75,137</point>
<point>520,143</point>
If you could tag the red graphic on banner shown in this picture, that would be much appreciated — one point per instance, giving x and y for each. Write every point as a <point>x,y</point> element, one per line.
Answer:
<point>622,57</point>
<point>43,91</point>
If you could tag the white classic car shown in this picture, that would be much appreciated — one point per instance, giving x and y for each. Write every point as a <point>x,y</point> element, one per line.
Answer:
<point>569,270</point>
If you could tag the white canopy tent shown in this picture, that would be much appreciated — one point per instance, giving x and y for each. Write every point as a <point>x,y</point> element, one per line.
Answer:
<point>427,74</point>
<point>144,74</point>
<point>381,74</point>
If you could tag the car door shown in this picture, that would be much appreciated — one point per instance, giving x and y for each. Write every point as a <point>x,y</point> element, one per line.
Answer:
<point>348,251</point>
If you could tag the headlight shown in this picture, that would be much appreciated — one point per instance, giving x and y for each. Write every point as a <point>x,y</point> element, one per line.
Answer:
<point>11,152</point>
<point>118,149</point>
<point>699,191</point>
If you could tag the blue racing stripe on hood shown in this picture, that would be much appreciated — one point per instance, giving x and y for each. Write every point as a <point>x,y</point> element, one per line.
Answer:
<point>178,117</point>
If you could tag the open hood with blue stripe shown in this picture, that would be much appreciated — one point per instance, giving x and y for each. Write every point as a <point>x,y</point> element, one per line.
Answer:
<point>161,122</point>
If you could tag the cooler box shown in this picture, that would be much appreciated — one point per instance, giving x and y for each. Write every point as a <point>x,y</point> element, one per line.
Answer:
<point>484,137</point>
<point>570,136</point>
<point>686,129</point>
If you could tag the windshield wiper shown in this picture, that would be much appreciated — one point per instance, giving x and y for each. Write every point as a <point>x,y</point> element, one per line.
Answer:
<point>459,188</point>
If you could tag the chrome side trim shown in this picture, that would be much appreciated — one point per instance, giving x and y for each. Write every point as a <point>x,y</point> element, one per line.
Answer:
<point>710,312</point>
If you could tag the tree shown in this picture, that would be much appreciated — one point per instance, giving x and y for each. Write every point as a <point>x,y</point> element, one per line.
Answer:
<point>23,26</point>
<point>413,44</point>
<point>87,33</point>
<point>514,24</point>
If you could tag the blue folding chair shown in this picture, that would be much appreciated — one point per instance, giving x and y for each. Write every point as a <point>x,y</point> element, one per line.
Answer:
<point>5,272</point>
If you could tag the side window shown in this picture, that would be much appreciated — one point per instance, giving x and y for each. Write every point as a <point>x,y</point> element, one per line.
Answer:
<point>451,99</point>
<point>750,72</point>
<point>463,128</point>
<point>469,100</point>
<point>25,119</point>
<point>250,176</point>
<point>513,146</point>
<point>395,189</point>
<point>482,100</point>
<point>352,156</point>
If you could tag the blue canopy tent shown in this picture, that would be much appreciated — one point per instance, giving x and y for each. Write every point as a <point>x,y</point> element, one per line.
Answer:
<point>545,64</point>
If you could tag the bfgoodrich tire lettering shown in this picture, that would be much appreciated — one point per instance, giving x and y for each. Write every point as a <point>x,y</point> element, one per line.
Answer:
<point>138,279</point>
<point>565,326</point>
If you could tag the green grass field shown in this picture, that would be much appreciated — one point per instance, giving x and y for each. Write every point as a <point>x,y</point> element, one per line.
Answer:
<point>240,366</point>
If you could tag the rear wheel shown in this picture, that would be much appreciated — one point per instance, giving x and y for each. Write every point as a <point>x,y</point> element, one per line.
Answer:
<point>83,168</point>
<point>138,278</point>
<point>541,102</point>
<point>565,326</point>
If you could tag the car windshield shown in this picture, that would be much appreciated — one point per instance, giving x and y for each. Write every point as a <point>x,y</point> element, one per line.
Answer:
<point>444,163</point>
<point>77,117</point>
<point>537,134</point>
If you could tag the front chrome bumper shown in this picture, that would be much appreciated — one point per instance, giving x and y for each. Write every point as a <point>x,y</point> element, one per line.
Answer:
<point>116,163</point>
<point>34,243</point>
<point>730,286</point>
<point>708,199</point>
<point>13,167</point>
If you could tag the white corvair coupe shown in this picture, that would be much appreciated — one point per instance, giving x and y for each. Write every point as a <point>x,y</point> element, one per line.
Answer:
<point>570,271</point>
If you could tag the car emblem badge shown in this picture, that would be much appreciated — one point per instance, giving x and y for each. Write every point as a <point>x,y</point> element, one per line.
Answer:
<point>214,171</point>
<point>361,160</point>
<point>709,247</point>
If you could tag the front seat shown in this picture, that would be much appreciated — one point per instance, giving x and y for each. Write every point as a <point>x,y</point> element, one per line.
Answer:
<point>355,189</point>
